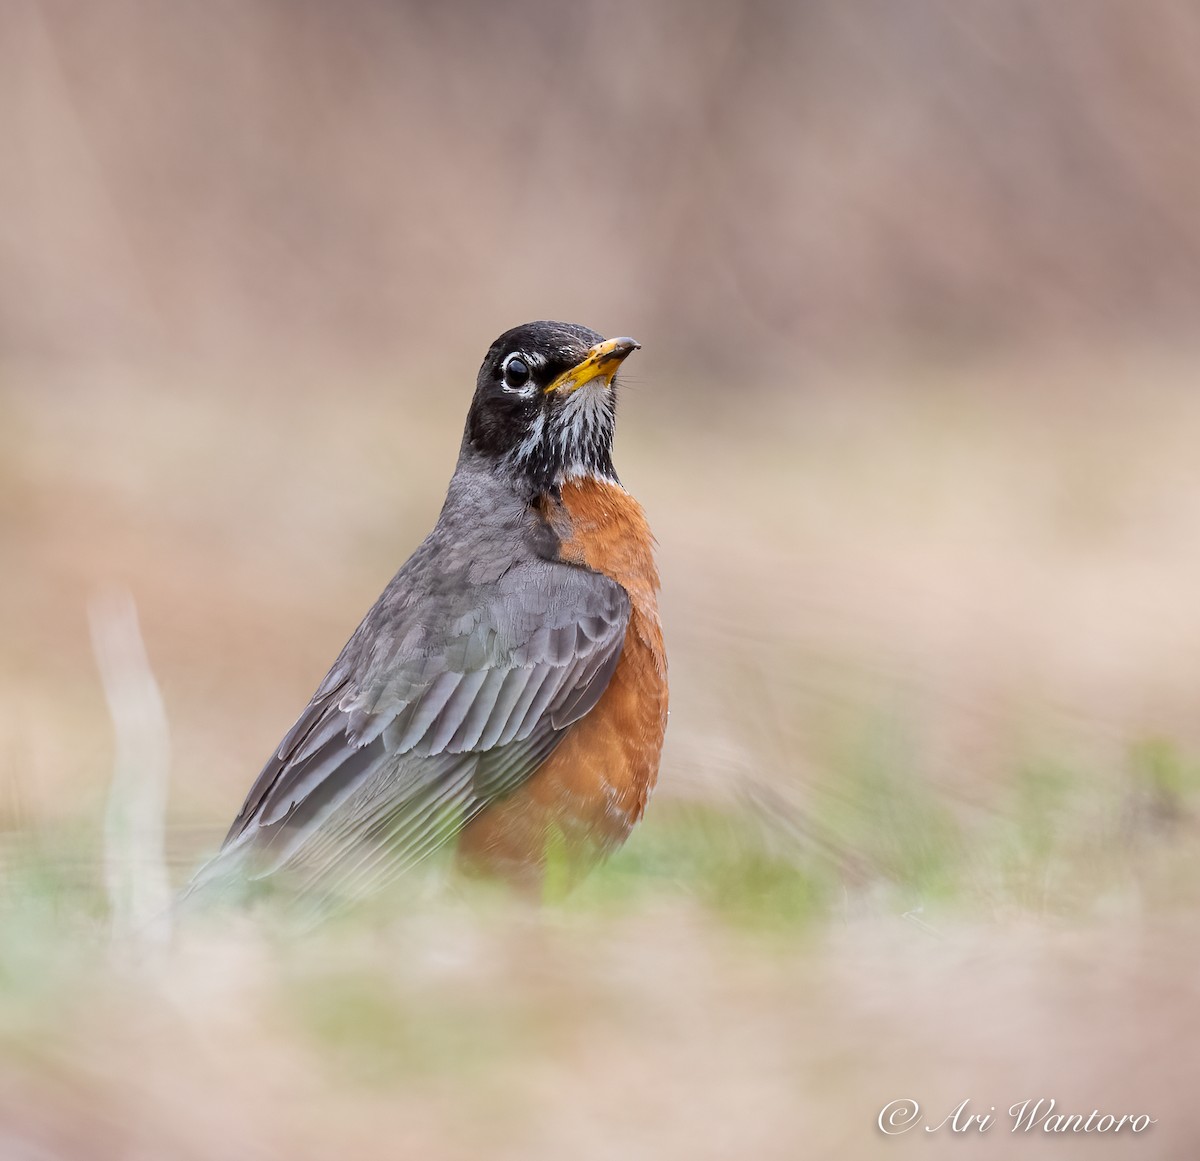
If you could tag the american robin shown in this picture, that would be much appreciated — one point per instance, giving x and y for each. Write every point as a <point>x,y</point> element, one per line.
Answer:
<point>509,688</point>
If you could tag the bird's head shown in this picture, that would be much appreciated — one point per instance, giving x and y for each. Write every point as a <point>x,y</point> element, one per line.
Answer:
<point>545,403</point>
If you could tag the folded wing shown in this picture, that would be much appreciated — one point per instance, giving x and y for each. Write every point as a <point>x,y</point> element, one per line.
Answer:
<point>436,707</point>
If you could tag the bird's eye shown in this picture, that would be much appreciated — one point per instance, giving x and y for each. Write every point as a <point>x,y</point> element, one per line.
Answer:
<point>516,372</point>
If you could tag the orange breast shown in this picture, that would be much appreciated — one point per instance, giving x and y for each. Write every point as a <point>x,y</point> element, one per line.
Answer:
<point>594,787</point>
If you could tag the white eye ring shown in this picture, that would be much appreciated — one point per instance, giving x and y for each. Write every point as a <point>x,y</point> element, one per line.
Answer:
<point>518,378</point>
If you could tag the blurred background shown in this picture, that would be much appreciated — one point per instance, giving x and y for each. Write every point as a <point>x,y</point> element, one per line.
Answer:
<point>915,422</point>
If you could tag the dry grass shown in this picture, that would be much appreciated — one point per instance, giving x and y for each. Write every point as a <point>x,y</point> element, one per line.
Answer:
<point>927,818</point>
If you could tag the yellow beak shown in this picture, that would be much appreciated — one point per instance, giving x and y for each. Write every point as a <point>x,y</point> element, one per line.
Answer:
<point>601,362</point>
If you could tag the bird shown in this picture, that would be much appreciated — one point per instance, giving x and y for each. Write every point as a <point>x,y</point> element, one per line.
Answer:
<point>507,692</point>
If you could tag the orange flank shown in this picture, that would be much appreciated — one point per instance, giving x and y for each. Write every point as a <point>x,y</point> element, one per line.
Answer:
<point>594,787</point>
